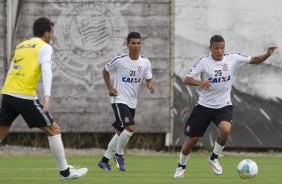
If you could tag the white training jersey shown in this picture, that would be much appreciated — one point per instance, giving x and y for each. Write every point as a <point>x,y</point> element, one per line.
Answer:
<point>129,75</point>
<point>220,75</point>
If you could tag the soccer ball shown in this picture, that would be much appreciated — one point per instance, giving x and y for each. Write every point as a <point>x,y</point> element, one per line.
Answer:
<point>247,169</point>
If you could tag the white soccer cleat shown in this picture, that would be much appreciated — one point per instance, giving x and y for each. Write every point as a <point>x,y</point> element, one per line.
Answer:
<point>179,173</point>
<point>216,167</point>
<point>75,173</point>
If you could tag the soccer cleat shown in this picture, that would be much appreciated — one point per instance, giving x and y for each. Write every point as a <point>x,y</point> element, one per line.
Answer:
<point>179,173</point>
<point>119,162</point>
<point>75,173</point>
<point>105,166</point>
<point>216,167</point>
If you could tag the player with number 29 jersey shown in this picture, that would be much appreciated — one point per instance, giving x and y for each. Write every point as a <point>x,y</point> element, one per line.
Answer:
<point>220,75</point>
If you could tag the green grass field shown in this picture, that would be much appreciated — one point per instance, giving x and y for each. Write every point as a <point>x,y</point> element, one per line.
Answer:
<point>155,169</point>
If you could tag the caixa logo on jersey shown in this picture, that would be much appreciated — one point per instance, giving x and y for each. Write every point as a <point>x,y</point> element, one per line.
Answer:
<point>219,79</point>
<point>131,79</point>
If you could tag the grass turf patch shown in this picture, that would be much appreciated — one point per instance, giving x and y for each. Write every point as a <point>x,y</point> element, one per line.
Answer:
<point>141,169</point>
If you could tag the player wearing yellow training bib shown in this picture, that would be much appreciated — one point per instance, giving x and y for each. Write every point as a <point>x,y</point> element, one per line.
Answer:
<point>25,70</point>
<point>33,59</point>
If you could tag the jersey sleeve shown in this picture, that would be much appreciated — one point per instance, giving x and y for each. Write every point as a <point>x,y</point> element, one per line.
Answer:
<point>196,70</point>
<point>45,54</point>
<point>112,65</point>
<point>46,78</point>
<point>148,72</point>
<point>241,58</point>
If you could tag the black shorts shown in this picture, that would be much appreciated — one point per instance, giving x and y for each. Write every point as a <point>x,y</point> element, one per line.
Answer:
<point>124,116</point>
<point>201,117</point>
<point>30,110</point>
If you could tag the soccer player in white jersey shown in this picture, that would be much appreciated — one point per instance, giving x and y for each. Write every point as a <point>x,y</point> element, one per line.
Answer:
<point>32,58</point>
<point>130,70</point>
<point>214,105</point>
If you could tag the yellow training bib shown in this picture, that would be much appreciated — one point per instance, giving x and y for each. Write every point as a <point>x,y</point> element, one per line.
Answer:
<point>24,71</point>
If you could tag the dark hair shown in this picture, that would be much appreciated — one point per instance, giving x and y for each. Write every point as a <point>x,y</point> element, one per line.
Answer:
<point>133,35</point>
<point>216,38</point>
<point>42,25</point>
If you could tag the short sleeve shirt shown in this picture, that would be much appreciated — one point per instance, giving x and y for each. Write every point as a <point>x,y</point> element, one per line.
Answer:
<point>220,75</point>
<point>129,75</point>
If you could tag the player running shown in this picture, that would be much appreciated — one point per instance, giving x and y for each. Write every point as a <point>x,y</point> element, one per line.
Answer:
<point>130,70</point>
<point>31,59</point>
<point>216,71</point>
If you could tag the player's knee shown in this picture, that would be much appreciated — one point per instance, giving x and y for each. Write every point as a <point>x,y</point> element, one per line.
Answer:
<point>225,129</point>
<point>192,141</point>
<point>52,130</point>
<point>225,132</point>
<point>56,129</point>
<point>130,128</point>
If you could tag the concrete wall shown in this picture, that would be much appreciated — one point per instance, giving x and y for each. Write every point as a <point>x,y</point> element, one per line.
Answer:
<point>2,39</point>
<point>88,34</point>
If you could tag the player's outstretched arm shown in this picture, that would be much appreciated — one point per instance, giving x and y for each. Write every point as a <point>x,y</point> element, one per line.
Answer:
<point>262,58</point>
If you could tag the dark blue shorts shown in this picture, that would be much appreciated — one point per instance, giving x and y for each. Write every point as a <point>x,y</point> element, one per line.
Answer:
<point>124,116</point>
<point>30,110</point>
<point>201,117</point>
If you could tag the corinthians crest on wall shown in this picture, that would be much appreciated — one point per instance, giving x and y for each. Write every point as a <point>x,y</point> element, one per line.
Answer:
<point>88,34</point>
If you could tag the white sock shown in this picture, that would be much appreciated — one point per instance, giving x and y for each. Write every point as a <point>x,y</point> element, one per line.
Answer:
<point>123,140</point>
<point>112,146</point>
<point>183,158</point>
<point>57,148</point>
<point>217,149</point>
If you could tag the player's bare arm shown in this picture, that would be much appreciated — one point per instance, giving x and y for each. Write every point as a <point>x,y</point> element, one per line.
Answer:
<point>150,85</point>
<point>107,79</point>
<point>46,104</point>
<point>262,58</point>
<point>193,82</point>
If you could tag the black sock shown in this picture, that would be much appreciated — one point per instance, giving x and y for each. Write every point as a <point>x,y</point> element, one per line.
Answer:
<point>213,156</point>
<point>65,173</point>
<point>183,166</point>
<point>105,159</point>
